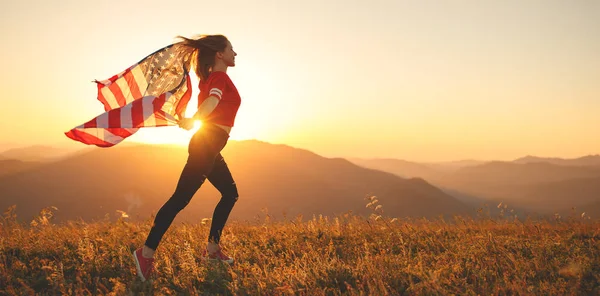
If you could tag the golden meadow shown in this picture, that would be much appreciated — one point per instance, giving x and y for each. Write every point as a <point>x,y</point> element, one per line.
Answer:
<point>342,255</point>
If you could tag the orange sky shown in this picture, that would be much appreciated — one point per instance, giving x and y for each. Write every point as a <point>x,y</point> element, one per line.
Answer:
<point>417,80</point>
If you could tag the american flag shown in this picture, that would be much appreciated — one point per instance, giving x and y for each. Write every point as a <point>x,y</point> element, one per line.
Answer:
<point>153,92</point>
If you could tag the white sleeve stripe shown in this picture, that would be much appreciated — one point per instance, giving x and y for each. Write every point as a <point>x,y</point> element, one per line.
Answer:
<point>217,92</point>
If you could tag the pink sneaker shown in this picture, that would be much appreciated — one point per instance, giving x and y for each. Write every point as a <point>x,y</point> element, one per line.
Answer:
<point>218,255</point>
<point>143,265</point>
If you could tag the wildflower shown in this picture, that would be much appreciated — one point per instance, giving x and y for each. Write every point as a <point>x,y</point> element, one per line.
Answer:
<point>123,214</point>
<point>370,198</point>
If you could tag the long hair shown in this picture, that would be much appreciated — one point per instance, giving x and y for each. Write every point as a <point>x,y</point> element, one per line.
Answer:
<point>205,49</point>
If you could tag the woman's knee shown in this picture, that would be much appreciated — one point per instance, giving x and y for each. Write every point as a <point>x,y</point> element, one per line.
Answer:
<point>230,194</point>
<point>177,202</point>
<point>231,198</point>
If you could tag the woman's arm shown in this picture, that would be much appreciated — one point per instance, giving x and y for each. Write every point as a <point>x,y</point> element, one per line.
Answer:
<point>207,107</point>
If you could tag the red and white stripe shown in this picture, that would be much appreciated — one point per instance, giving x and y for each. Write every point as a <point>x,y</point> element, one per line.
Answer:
<point>122,88</point>
<point>128,115</point>
<point>215,92</point>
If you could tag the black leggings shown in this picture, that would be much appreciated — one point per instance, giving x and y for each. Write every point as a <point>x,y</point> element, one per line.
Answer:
<point>204,162</point>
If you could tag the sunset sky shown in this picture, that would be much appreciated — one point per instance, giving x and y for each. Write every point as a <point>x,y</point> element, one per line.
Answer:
<point>417,80</point>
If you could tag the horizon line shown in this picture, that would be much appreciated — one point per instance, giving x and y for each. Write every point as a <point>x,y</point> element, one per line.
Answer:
<point>13,146</point>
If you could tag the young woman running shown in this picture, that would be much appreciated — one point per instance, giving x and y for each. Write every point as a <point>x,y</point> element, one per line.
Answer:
<point>218,103</point>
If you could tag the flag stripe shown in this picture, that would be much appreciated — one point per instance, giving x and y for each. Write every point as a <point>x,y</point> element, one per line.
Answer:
<point>101,97</point>
<point>85,137</point>
<point>138,84</point>
<point>126,119</point>
<point>102,120</point>
<point>90,124</point>
<point>123,85</point>
<point>100,137</point>
<point>114,118</point>
<point>109,98</point>
<point>160,115</point>
<point>121,132</point>
<point>109,137</point>
<point>137,113</point>
<point>148,111</point>
<point>118,94</point>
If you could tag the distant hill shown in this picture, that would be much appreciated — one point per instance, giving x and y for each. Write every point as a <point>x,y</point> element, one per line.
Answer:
<point>540,187</point>
<point>514,173</point>
<point>402,168</point>
<point>282,179</point>
<point>7,145</point>
<point>34,153</point>
<point>11,166</point>
<point>589,160</point>
<point>450,166</point>
<point>410,169</point>
<point>555,196</point>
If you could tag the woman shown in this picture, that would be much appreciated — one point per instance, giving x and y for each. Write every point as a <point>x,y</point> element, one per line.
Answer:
<point>218,103</point>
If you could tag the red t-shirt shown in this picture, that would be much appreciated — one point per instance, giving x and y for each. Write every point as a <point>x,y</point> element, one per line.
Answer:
<point>219,84</point>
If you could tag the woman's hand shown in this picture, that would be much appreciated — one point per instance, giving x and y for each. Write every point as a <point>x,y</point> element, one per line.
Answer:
<point>186,123</point>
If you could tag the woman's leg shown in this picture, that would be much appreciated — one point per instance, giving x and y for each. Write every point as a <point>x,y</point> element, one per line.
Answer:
<point>221,178</point>
<point>199,164</point>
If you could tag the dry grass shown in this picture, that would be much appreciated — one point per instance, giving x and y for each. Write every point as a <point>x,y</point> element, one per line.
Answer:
<point>347,255</point>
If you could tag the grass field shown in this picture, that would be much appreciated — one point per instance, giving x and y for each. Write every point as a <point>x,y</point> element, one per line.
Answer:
<point>346,254</point>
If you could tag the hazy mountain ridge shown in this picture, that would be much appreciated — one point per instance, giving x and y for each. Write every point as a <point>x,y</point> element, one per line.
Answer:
<point>527,185</point>
<point>139,179</point>
<point>588,160</point>
<point>12,166</point>
<point>37,153</point>
<point>402,168</point>
<point>498,172</point>
<point>263,171</point>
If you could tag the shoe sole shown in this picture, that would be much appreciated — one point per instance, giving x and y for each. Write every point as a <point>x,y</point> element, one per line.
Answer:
<point>137,266</point>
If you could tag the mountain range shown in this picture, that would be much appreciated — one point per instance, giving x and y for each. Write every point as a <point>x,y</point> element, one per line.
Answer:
<point>284,181</point>
<point>528,184</point>
<point>277,180</point>
<point>589,160</point>
<point>34,153</point>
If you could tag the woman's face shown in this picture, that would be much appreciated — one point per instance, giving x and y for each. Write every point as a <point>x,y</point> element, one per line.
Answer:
<point>229,55</point>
